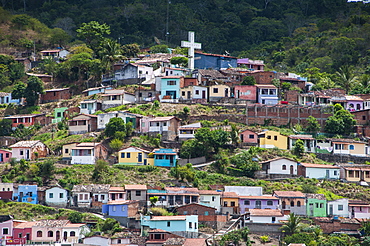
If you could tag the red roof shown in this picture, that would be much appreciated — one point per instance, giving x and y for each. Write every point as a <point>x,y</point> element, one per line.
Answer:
<point>311,165</point>
<point>289,193</point>
<point>265,212</point>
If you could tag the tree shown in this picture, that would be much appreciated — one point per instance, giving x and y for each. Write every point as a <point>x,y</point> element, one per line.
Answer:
<point>75,217</point>
<point>246,162</point>
<point>46,169</point>
<point>160,48</point>
<point>298,148</point>
<point>153,200</point>
<point>109,226</point>
<point>342,122</point>
<point>100,168</point>
<point>248,80</point>
<point>114,125</point>
<point>18,90</point>
<point>130,50</point>
<point>5,127</point>
<point>116,144</point>
<point>191,149</point>
<point>35,87</point>
<point>292,225</point>
<point>313,125</point>
<point>346,78</point>
<point>179,60</point>
<point>110,53</point>
<point>236,238</point>
<point>93,33</point>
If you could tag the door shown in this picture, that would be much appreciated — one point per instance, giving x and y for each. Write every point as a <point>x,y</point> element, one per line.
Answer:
<point>189,95</point>
<point>27,154</point>
<point>203,94</point>
<point>140,157</point>
<point>57,236</point>
<point>145,162</point>
<point>327,174</point>
<point>1,158</point>
<point>171,93</point>
<point>311,209</point>
<point>65,236</point>
<point>226,92</point>
<point>291,170</point>
<point>331,209</point>
<point>258,204</point>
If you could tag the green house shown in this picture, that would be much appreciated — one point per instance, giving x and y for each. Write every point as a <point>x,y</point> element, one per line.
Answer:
<point>59,114</point>
<point>316,205</point>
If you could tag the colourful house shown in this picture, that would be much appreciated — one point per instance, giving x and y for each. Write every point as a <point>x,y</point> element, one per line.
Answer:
<point>59,114</point>
<point>266,216</point>
<point>28,120</point>
<point>180,223</point>
<point>272,139</point>
<point>248,137</point>
<point>359,209</point>
<point>338,208</point>
<point>348,147</point>
<point>56,197</point>
<point>123,211</point>
<point>5,155</point>
<point>210,198</point>
<point>316,205</point>
<point>25,193</point>
<point>355,173</point>
<point>135,156</point>
<point>267,94</point>
<point>318,171</point>
<point>279,167</point>
<point>6,226</point>
<point>229,202</point>
<point>27,150</point>
<point>246,92</point>
<point>292,201</point>
<point>257,202</point>
<point>88,153</point>
<point>308,140</point>
<point>170,88</point>
<point>165,157</point>
<point>218,92</point>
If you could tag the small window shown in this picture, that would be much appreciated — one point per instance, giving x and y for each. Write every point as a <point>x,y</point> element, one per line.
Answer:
<point>251,136</point>
<point>171,82</point>
<point>351,147</point>
<point>21,152</point>
<point>39,234</point>
<point>72,234</point>
<point>232,204</point>
<point>5,231</point>
<point>195,225</point>
<point>185,212</point>
<point>363,117</point>
<point>102,197</point>
<point>114,208</point>
<point>247,202</point>
<point>275,138</point>
<point>335,173</point>
<point>51,195</point>
<point>269,203</point>
<point>59,114</point>
<point>206,213</point>
<point>283,167</point>
<point>268,137</point>
<point>128,155</point>
<point>123,208</point>
<point>215,90</point>
<point>292,204</point>
<point>196,92</point>
<point>298,203</point>
<point>66,151</point>
<point>321,205</point>
<point>213,198</point>
<point>50,233</point>
<point>138,193</point>
<point>7,155</point>
<point>61,195</point>
<point>20,235</point>
<point>122,155</point>
<point>168,223</point>
<point>183,93</point>
<point>340,207</point>
<point>190,225</point>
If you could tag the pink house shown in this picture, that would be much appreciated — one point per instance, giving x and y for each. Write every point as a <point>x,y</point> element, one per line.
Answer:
<point>5,155</point>
<point>246,92</point>
<point>6,226</point>
<point>247,136</point>
<point>22,233</point>
<point>359,209</point>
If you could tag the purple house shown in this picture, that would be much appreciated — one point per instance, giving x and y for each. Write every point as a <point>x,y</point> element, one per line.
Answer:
<point>259,202</point>
<point>354,103</point>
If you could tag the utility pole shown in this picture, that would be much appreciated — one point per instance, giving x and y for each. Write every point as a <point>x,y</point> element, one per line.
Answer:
<point>167,33</point>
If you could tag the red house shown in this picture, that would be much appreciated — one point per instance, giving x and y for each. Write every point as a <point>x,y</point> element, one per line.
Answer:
<point>29,120</point>
<point>22,233</point>
<point>5,155</point>
<point>248,136</point>
<point>246,92</point>
<point>55,95</point>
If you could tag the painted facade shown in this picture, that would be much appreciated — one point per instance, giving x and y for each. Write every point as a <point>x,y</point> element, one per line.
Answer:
<point>318,171</point>
<point>316,205</point>
<point>280,166</point>
<point>338,208</point>
<point>56,197</point>
<point>90,106</point>
<point>292,201</point>
<point>170,88</point>
<point>88,153</point>
<point>135,156</point>
<point>217,92</point>
<point>25,193</point>
<point>83,123</point>
<point>29,150</point>
<point>267,94</point>
<point>266,216</point>
<point>246,92</point>
<point>59,114</point>
<point>257,202</point>
<point>210,198</point>
<point>183,223</point>
<point>272,139</point>
<point>166,126</point>
<point>165,157</point>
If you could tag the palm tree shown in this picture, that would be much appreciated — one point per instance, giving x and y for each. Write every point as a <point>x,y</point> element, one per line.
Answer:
<point>293,225</point>
<point>110,53</point>
<point>346,78</point>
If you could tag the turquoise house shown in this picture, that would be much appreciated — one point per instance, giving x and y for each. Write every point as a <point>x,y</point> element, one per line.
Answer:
<point>59,114</point>
<point>316,205</point>
<point>165,157</point>
<point>170,87</point>
<point>179,223</point>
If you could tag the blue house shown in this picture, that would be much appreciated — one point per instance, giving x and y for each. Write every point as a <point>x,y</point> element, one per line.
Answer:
<point>25,193</point>
<point>165,157</point>
<point>181,223</point>
<point>170,87</point>
<point>124,211</point>
<point>267,94</point>
<point>215,61</point>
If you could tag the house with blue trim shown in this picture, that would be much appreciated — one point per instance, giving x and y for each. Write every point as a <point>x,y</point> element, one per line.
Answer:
<point>170,88</point>
<point>165,157</point>
<point>186,224</point>
<point>25,193</point>
<point>122,211</point>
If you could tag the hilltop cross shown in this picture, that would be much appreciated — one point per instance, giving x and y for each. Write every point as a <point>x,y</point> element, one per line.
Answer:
<point>191,45</point>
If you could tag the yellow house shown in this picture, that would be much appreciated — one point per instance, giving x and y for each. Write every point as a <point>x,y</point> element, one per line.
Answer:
<point>356,173</point>
<point>272,139</point>
<point>229,202</point>
<point>348,147</point>
<point>135,156</point>
<point>67,150</point>
<point>217,92</point>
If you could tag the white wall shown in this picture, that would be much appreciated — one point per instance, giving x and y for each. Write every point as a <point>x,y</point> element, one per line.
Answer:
<point>334,205</point>
<point>276,166</point>
<point>320,173</point>
<point>56,200</point>
<point>207,201</point>
<point>244,190</point>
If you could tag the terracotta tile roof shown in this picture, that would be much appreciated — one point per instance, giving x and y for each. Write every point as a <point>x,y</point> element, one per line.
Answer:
<point>51,223</point>
<point>277,158</point>
<point>197,205</point>
<point>218,55</point>
<point>195,242</point>
<point>217,187</point>
<point>157,230</point>
<point>48,51</point>
<point>308,137</point>
<point>289,194</point>
<point>57,89</point>
<point>163,118</point>
<point>22,116</point>
<point>25,225</point>
<point>136,187</point>
<point>3,94</point>
<point>341,219</point>
<point>176,217</point>
<point>311,165</point>
<point>213,74</point>
<point>122,202</point>
<point>74,225</point>
<point>342,140</point>
<point>266,86</point>
<point>95,188</point>
<point>265,212</point>
<point>209,192</point>
<point>175,241</point>
<point>229,195</point>
<point>181,190</point>
<point>25,144</point>
<point>117,189</point>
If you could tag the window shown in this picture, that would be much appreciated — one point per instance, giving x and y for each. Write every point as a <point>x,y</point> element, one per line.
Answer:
<point>138,193</point>
<point>273,219</point>
<point>292,203</point>
<point>86,196</point>
<point>59,114</point>
<point>275,138</point>
<point>21,152</point>
<point>232,204</point>
<point>5,231</point>
<point>338,146</point>
<point>157,236</point>
<point>215,90</point>
<point>196,92</point>
<point>195,225</point>
<point>268,137</point>
<point>206,213</point>
<point>213,198</point>
<point>80,197</point>
<point>114,208</point>
<point>264,91</point>
<point>51,195</point>
<point>61,195</point>
<point>298,203</point>
<point>363,117</point>
<point>168,223</point>
<point>340,207</point>
<point>66,151</point>
<point>50,234</point>
<point>72,234</point>
<point>39,234</point>
<point>351,147</point>
<point>171,82</point>
<point>20,235</point>
<point>351,174</point>
<point>283,167</point>
<point>335,173</point>
<point>7,155</point>
<point>122,155</point>
<point>185,212</point>
<point>247,202</point>
<point>190,225</point>
<point>102,197</point>
<point>123,209</point>
<point>321,205</point>
<point>251,136</point>
<point>258,204</point>
<point>269,203</point>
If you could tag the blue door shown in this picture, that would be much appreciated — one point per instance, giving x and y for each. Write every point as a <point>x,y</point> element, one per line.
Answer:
<point>1,158</point>
<point>140,157</point>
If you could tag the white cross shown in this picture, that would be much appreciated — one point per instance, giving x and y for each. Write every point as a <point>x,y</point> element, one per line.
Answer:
<point>191,45</point>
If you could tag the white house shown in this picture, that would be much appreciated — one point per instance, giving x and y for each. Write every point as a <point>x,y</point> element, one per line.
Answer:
<point>210,198</point>
<point>93,195</point>
<point>73,233</point>
<point>187,131</point>
<point>113,98</point>
<point>56,197</point>
<point>27,150</point>
<point>244,190</point>
<point>266,216</point>
<point>318,171</point>
<point>97,240</point>
<point>90,106</point>
<point>279,166</point>
<point>104,119</point>
<point>338,208</point>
